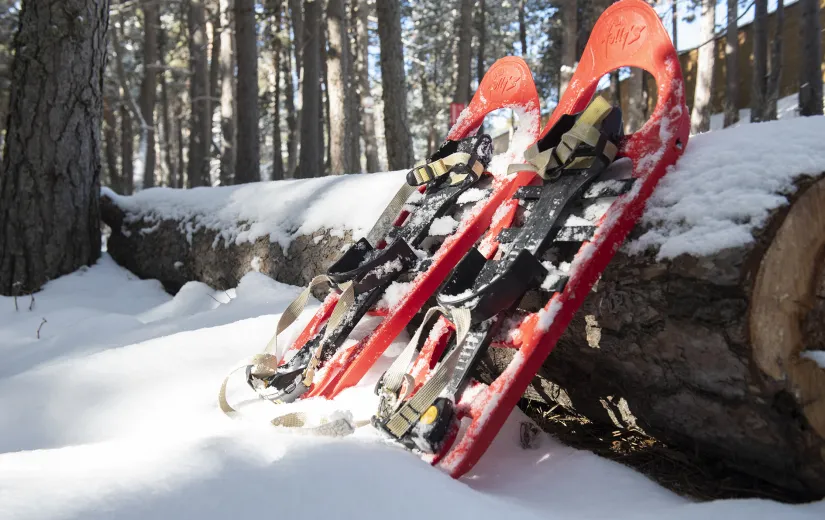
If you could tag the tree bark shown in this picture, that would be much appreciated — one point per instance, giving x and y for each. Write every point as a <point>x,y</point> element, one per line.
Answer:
<point>110,136</point>
<point>148,90</point>
<point>227,62</point>
<point>760,61</point>
<point>291,116</point>
<point>732,65</point>
<point>704,353</point>
<point>277,155</point>
<point>50,170</point>
<point>180,181</point>
<point>130,105</point>
<point>570,31</point>
<point>615,89</point>
<point>481,68</point>
<point>247,158</point>
<point>775,62</point>
<point>674,20</point>
<point>700,115</point>
<point>341,139</point>
<point>464,58</point>
<point>201,122</point>
<point>366,101</point>
<point>325,120</point>
<point>311,158</point>
<point>635,114</point>
<point>127,151</point>
<point>167,141</point>
<point>215,55</point>
<point>810,59</point>
<point>522,28</point>
<point>396,129</point>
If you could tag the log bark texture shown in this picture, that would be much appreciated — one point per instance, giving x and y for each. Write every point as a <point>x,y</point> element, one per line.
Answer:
<point>704,353</point>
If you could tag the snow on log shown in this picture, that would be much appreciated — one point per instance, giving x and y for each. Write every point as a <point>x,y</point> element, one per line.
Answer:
<point>707,330</point>
<point>289,230</point>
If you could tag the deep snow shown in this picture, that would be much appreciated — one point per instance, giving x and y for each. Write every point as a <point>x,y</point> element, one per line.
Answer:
<point>112,414</point>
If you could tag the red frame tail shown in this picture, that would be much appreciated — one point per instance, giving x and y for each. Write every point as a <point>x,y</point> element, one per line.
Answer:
<point>628,33</point>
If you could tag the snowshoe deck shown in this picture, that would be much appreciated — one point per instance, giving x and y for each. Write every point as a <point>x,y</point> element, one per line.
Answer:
<point>512,291</point>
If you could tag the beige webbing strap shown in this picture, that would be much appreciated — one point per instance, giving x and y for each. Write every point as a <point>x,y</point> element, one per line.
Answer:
<point>585,130</point>
<point>345,302</point>
<point>266,363</point>
<point>438,168</point>
<point>382,225</point>
<point>406,416</point>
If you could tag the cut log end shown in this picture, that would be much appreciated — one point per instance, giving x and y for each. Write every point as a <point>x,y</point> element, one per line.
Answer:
<point>787,305</point>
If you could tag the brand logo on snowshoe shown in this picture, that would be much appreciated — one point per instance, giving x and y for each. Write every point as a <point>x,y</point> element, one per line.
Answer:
<point>505,81</point>
<point>624,37</point>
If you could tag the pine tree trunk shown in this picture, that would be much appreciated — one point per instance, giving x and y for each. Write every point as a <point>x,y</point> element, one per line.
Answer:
<point>325,119</point>
<point>227,62</point>
<point>615,89</point>
<point>247,163</point>
<point>522,28</point>
<point>481,68</point>
<point>127,151</point>
<point>700,115</point>
<point>180,181</point>
<point>464,58</point>
<point>215,55</point>
<point>760,61</point>
<point>50,170</point>
<point>130,105</point>
<point>311,158</point>
<point>810,59</point>
<point>201,123</point>
<point>148,89</point>
<point>166,140</point>
<point>570,31</point>
<point>110,136</point>
<point>635,115</point>
<point>732,65</point>
<point>775,62</point>
<point>366,101</point>
<point>291,117</point>
<point>296,17</point>
<point>396,129</point>
<point>674,20</point>
<point>341,141</point>
<point>277,172</point>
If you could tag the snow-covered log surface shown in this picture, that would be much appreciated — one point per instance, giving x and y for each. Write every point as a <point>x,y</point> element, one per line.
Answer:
<point>112,415</point>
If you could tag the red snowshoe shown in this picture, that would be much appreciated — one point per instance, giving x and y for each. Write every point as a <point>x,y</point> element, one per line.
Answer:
<point>521,287</point>
<point>400,248</point>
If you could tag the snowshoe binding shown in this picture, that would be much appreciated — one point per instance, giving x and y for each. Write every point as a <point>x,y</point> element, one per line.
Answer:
<point>521,289</point>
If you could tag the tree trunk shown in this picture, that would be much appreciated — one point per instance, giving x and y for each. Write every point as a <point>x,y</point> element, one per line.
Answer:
<point>570,31</point>
<point>674,20</point>
<point>215,56</point>
<point>353,105</point>
<point>199,96</point>
<point>760,61</point>
<point>367,104</point>
<point>277,155</point>
<point>167,141</point>
<point>148,89</point>
<point>50,170</point>
<point>481,68</point>
<point>341,140</point>
<point>291,116</point>
<point>110,136</point>
<point>732,65</point>
<point>296,17</point>
<point>810,59</point>
<point>396,129</point>
<point>635,114</point>
<point>248,160</point>
<point>325,119</point>
<point>127,151</point>
<point>522,28</point>
<point>464,58</point>
<point>180,181</point>
<point>775,62</point>
<point>131,105</point>
<point>705,354</point>
<point>615,89</point>
<point>700,115</point>
<point>312,154</point>
<point>227,61</point>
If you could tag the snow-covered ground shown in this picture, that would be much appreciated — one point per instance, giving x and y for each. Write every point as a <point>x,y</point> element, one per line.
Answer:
<point>112,414</point>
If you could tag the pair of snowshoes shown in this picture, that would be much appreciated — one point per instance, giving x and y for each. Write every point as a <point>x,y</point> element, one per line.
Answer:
<point>554,223</point>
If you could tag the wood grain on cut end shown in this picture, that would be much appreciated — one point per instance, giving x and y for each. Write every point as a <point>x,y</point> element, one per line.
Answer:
<point>785,292</point>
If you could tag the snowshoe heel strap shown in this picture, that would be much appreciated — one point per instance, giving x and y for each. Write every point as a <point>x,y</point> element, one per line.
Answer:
<point>470,156</point>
